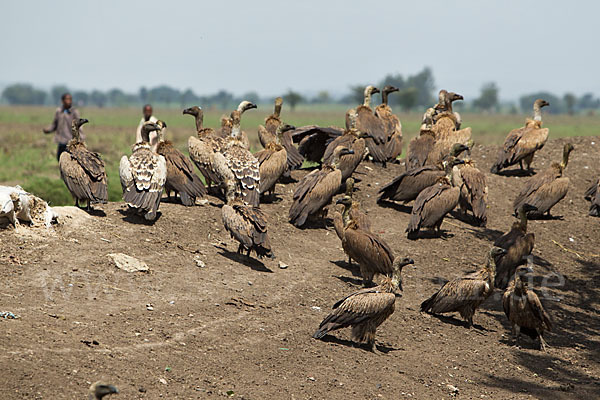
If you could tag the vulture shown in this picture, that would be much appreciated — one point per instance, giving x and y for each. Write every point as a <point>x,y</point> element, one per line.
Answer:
<point>407,186</point>
<point>464,295</point>
<point>524,309</point>
<point>593,196</point>
<point>83,170</point>
<point>366,309</point>
<point>418,149</point>
<point>272,160</point>
<point>248,225</point>
<point>367,122</point>
<point>518,245</point>
<point>473,190</point>
<point>143,175</point>
<point>353,212</point>
<point>545,189</point>
<point>393,127</point>
<point>353,139</point>
<point>227,124</point>
<point>180,171</point>
<point>444,104</point>
<point>433,203</point>
<point>522,143</point>
<point>99,389</point>
<point>316,189</point>
<point>203,147</point>
<point>312,140</point>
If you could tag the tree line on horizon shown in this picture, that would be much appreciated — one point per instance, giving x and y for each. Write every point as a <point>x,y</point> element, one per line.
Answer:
<point>415,92</point>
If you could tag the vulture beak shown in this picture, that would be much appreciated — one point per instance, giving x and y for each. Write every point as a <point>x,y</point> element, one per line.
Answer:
<point>250,106</point>
<point>459,97</point>
<point>83,121</point>
<point>375,90</point>
<point>187,111</point>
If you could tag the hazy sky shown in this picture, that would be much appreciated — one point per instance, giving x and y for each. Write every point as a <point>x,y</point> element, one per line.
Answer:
<point>270,46</point>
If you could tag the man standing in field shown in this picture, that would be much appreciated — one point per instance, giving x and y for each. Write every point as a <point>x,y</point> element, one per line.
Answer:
<point>61,124</point>
<point>147,116</point>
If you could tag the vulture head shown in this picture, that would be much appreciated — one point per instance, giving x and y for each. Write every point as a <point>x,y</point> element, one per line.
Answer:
<point>387,90</point>
<point>539,103</point>
<point>245,106</point>
<point>162,125</point>
<point>99,389</point>
<point>449,164</point>
<point>454,96</point>
<point>281,129</point>
<point>567,149</point>
<point>495,254</point>
<point>349,186</point>
<point>195,111</point>
<point>369,91</point>
<point>523,271</point>
<point>147,128</point>
<point>458,148</point>
<point>346,201</point>
<point>75,125</point>
<point>537,109</point>
<point>397,266</point>
<point>338,153</point>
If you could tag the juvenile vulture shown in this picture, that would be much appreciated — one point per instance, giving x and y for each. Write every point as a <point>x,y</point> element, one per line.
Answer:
<point>393,127</point>
<point>312,140</point>
<point>353,213</point>
<point>272,160</point>
<point>518,245</point>
<point>83,170</point>
<point>419,149</point>
<point>143,175</point>
<point>524,309</point>
<point>227,124</point>
<point>464,295</point>
<point>98,390</point>
<point>473,190</point>
<point>545,189</point>
<point>433,203</point>
<point>367,122</point>
<point>522,143</point>
<point>316,189</point>
<point>203,147</point>
<point>352,139</point>
<point>593,196</point>
<point>180,171</point>
<point>366,309</point>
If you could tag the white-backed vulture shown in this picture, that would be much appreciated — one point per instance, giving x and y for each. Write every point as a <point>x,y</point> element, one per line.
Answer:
<point>143,175</point>
<point>473,190</point>
<point>464,295</point>
<point>444,104</point>
<point>247,225</point>
<point>366,309</point>
<point>180,171</point>
<point>593,196</point>
<point>316,189</point>
<point>312,140</point>
<point>273,160</point>
<point>525,310</point>
<point>367,122</point>
<point>522,143</point>
<point>518,245</point>
<point>83,170</point>
<point>99,389</point>
<point>393,127</point>
<point>545,189</point>
<point>227,124</point>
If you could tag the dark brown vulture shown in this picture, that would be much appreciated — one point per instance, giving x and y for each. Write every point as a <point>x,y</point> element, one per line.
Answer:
<point>367,122</point>
<point>180,171</point>
<point>273,160</point>
<point>418,149</point>
<point>99,389</point>
<point>312,140</point>
<point>83,170</point>
<point>352,139</point>
<point>473,190</point>
<point>393,127</point>
<point>545,189</point>
<point>518,245</point>
<point>464,295</point>
<point>593,196</point>
<point>316,189</point>
<point>353,212</point>
<point>143,176</point>
<point>524,309</point>
<point>247,225</point>
<point>522,143</point>
<point>444,105</point>
<point>366,309</point>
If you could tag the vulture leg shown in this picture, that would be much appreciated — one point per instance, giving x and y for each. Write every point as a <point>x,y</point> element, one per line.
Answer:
<point>521,165</point>
<point>517,334</point>
<point>77,203</point>
<point>240,249</point>
<point>89,206</point>
<point>373,347</point>
<point>543,343</point>
<point>349,261</point>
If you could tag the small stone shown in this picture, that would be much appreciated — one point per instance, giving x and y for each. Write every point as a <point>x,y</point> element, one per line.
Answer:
<point>453,389</point>
<point>163,381</point>
<point>282,265</point>
<point>316,308</point>
<point>311,378</point>
<point>128,263</point>
<point>142,389</point>
<point>149,307</point>
<point>199,262</point>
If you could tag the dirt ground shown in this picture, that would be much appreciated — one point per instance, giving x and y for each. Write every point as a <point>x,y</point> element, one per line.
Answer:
<point>242,329</point>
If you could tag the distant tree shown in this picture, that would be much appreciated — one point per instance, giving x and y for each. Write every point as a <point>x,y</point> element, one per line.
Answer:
<point>188,98</point>
<point>56,93</point>
<point>526,102</point>
<point>323,97</point>
<point>357,94</point>
<point>81,98</point>
<point>425,85</point>
<point>143,95</point>
<point>164,94</point>
<point>408,98</point>
<point>98,98</point>
<point>251,96</point>
<point>488,98</point>
<point>293,99</point>
<point>23,94</point>
<point>570,100</point>
<point>587,102</point>
<point>222,98</point>
<point>396,80</point>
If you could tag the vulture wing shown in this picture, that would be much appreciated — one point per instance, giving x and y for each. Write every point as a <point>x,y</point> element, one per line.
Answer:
<point>367,122</point>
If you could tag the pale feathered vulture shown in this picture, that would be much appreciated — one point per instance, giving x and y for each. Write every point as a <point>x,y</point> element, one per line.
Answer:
<point>248,225</point>
<point>593,196</point>
<point>366,309</point>
<point>524,309</point>
<point>545,189</point>
<point>181,177</point>
<point>83,170</point>
<point>464,295</point>
<point>227,124</point>
<point>273,160</point>
<point>100,389</point>
<point>521,144</point>
<point>444,105</point>
<point>143,175</point>
<point>473,190</point>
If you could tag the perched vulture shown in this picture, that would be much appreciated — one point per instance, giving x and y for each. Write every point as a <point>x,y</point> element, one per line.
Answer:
<point>366,309</point>
<point>432,115</point>
<point>393,127</point>
<point>593,196</point>
<point>272,160</point>
<point>99,389</point>
<point>522,143</point>
<point>419,149</point>
<point>518,245</point>
<point>446,139</point>
<point>180,171</point>
<point>247,225</point>
<point>433,203</point>
<point>143,175</point>
<point>316,189</point>
<point>352,139</point>
<point>227,124</point>
<point>524,309</point>
<point>83,170</point>
<point>464,295</point>
<point>473,190</point>
<point>312,140</point>
<point>353,212</point>
<point>545,189</point>
<point>367,122</point>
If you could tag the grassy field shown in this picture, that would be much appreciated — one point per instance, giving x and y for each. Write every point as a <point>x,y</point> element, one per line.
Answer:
<point>28,157</point>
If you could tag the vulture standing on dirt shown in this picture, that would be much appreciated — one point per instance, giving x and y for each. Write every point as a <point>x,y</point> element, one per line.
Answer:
<point>99,389</point>
<point>433,203</point>
<point>522,143</point>
<point>545,189</point>
<point>518,245</point>
<point>392,125</point>
<point>367,122</point>
<point>316,189</point>
<point>227,124</point>
<point>353,212</point>
<point>524,309</point>
<point>464,295</point>
<point>83,170</point>
<point>418,150</point>
<point>593,196</point>
<point>473,190</point>
<point>143,175</point>
<point>366,309</point>
<point>273,160</point>
<point>352,139</point>
<point>180,171</point>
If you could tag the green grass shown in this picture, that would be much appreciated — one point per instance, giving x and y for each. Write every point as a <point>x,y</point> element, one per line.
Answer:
<point>28,157</point>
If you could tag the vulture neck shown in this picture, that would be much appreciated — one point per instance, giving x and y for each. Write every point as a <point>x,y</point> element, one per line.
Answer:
<point>346,215</point>
<point>520,287</point>
<point>537,113</point>
<point>565,159</point>
<point>490,270</point>
<point>384,98</point>
<point>199,122</point>
<point>277,110</point>
<point>522,219</point>
<point>76,134</point>
<point>145,135</point>
<point>390,284</point>
<point>367,100</point>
